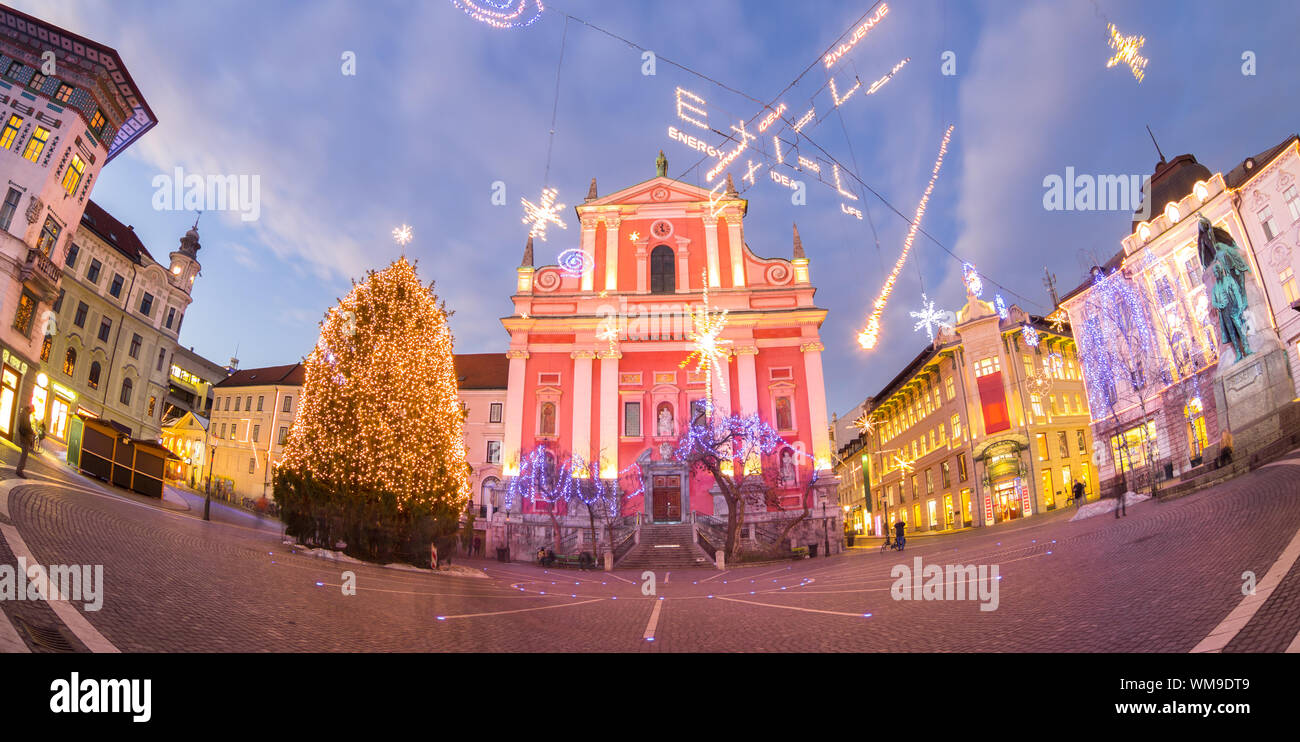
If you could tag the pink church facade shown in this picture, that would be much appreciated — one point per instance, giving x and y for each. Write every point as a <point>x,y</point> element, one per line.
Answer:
<point>596,347</point>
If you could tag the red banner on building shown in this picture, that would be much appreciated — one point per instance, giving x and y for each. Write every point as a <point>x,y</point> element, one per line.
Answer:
<point>993,401</point>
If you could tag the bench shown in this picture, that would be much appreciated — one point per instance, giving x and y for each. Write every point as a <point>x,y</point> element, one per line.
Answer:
<point>581,561</point>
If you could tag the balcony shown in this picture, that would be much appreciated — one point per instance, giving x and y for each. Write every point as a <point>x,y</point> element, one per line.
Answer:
<point>41,273</point>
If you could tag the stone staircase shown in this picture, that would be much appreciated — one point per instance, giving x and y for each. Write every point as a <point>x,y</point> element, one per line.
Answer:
<point>665,546</point>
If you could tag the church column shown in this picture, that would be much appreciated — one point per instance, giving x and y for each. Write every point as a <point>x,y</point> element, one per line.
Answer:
<point>736,246</point>
<point>582,403</point>
<point>711,247</point>
<point>683,264</point>
<point>747,379</point>
<point>608,453</point>
<point>611,251</point>
<point>816,385</point>
<point>510,447</point>
<point>642,264</point>
<point>589,248</point>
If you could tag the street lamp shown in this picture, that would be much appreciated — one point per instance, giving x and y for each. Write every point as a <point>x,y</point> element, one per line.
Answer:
<point>207,500</point>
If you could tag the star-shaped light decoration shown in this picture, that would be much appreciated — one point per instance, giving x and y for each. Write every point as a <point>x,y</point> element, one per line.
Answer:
<point>864,424</point>
<point>540,215</point>
<point>710,350</point>
<point>634,237</point>
<point>1126,52</point>
<point>930,318</point>
<point>1058,319</point>
<point>903,463</point>
<point>608,332</point>
<point>403,235</point>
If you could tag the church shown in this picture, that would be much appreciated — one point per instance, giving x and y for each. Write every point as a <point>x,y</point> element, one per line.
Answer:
<point>599,347</point>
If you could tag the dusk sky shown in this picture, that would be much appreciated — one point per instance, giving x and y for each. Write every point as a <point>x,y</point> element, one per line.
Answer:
<point>442,106</point>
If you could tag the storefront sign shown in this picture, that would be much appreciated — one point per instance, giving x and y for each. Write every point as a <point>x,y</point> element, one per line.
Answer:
<point>1024,496</point>
<point>988,509</point>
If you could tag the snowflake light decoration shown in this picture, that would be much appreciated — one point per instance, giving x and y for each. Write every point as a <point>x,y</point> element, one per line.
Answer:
<point>501,13</point>
<point>903,463</point>
<point>1030,334</point>
<point>974,284</point>
<point>1002,307</point>
<point>864,424</point>
<point>402,235</point>
<point>1039,384</point>
<point>1126,52</point>
<point>710,350</point>
<point>1058,319</point>
<point>540,215</point>
<point>930,318</point>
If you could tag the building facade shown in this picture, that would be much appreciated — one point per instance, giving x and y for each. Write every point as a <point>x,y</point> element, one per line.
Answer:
<point>118,318</point>
<point>187,437</point>
<point>1156,384</point>
<point>598,346</point>
<point>987,424</point>
<point>69,107</point>
<point>482,379</point>
<point>252,413</point>
<point>191,379</point>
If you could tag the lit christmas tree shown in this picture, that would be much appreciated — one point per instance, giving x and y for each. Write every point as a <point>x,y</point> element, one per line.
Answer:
<point>379,434</point>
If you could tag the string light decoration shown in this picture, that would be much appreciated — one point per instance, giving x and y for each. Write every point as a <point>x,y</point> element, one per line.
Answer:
<point>501,13</point>
<point>878,84</point>
<point>865,424</point>
<point>710,351</point>
<point>1126,52</point>
<point>974,284</point>
<point>608,332</point>
<point>1058,320</point>
<point>380,408</point>
<point>543,479</point>
<point>540,215</point>
<point>870,334</point>
<point>576,262</point>
<point>903,463</point>
<point>1030,335</point>
<point>1118,346</point>
<point>929,318</point>
<point>859,33</point>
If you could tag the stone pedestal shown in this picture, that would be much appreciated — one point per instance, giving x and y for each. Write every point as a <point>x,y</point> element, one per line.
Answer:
<point>1250,395</point>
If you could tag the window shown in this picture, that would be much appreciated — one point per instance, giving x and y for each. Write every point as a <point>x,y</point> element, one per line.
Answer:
<point>1036,402</point>
<point>227,404</point>
<point>1266,220</point>
<point>236,404</point>
<point>1043,453</point>
<point>950,388</point>
<point>69,362</point>
<point>37,82</point>
<point>1287,279</point>
<point>46,344</point>
<point>115,287</point>
<point>223,431</point>
<point>146,304</point>
<point>136,341</point>
<point>162,359</point>
<point>10,206</point>
<point>11,131</point>
<point>257,432</point>
<point>494,412</point>
<point>72,178</point>
<point>988,366</point>
<point>64,93</point>
<point>288,403</point>
<point>171,315</point>
<point>26,314</point>
<point>248,403</point>
<point>49,235</point>
<point>494,452</point>
<point>252,464</point>
<point>1063,443</point>
<point>929,481</point>
<point>945,474</point>
<point>70,259</point>
<point>260,399</point>
<point>153,402</point>
<point>284,436</point>
<point>1292,201</point>
<point>105,327</point>
<point>97,121</point>
<point>632,419</point>
<point>784,414</point>
<point>1079,439</point>
<point>58,303</point>
<point>36,144</point>
<point>80,319</point>
<point>92,273</point>
<point>233,428</point>
<point>92,379</point>
<point>125,396</point>
<point>663,274</point>
<point>14,69</point>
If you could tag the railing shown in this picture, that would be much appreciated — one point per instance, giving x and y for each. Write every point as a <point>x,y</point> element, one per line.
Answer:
<point>705,544</point>
<point>43,266</point>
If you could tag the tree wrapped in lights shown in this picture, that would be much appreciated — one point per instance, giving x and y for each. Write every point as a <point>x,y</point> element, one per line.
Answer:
<point>555,480</point>
<point>376,455</point>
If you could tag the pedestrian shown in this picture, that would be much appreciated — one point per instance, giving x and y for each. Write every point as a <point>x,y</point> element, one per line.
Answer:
<point>477,548</point>
<point>1119,506</point>
<point>26,438</point>
<point>1078,493</point>
<point>898,534</point>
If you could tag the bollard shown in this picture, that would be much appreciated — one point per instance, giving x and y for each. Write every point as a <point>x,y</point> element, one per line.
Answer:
<point>722,559</point>
<point>609,561</point>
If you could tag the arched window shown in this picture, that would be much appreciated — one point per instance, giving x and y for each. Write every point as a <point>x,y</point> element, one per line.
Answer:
<point>125,398</point>
<point>663,276</point>
<point>491,492</point>
<point>92,380</point>
<point>70,361</point>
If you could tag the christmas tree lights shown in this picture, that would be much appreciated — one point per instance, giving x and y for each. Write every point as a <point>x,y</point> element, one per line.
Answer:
<point>870,334</point>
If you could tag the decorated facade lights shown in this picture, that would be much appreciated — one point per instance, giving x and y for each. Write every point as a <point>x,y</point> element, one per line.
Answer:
<point>1030,335</point>
<point>878,84</point>
<point>1001,305</point>
<point>1058,320</point>
<point>870,334</point>
<point>1126,52</point>
<point>865,424</point>
<point>576,262</point>
<point>538,216</point>
<point>710,352</point>
<point>974,284</point>
<point>929,318</point>
<point>634,237</point>
<point>804,119</point>
<point>808,164</point>
<point>903,463</point>
<point>502,13</point>
<point>608,333</point>
<point>403,235</point>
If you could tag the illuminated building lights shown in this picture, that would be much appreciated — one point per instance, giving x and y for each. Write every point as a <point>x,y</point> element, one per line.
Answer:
<point>576,262</point>
<point>769,118</point>
<point>693,142</point>
<point>972,278</point>
<point>836,170</point>
<point>714,200</point>
<point>929,318</point>
<point>1058,320</point>
<point>858,34</point>
<point>803,120</point>
<point>402,235</point>
<point>870,334</point>
<point>878,84</point>
<point>710,350</point>
<point>1030,334</point>
<point>685,106</point>
<point>835,96</point>
<point>1126,52</point>
<point>539,216</point>
<point>804,162</point>
<point>903,463</point>
<point>741,146</point>
<point>501,13</point>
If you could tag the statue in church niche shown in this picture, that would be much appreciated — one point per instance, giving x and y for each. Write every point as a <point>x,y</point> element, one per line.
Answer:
<point>788,476</point>
<point>1226,267</point>
<point>665,425</point>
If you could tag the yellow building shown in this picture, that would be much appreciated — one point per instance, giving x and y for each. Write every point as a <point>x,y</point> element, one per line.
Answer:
<point>252,413</point>
<point>187,438</point>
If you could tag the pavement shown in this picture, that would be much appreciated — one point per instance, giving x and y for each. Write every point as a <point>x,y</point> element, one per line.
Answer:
<point>1166,578</point>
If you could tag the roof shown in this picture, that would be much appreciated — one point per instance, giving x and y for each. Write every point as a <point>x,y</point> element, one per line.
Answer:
<point>482,370</point>
<point>925,356</point>
<point>1171,181</point>
<point>115,233</point>
<point>290,375</point>
<point>1246,169</point>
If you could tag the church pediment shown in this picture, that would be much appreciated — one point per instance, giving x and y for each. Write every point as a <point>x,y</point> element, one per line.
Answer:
<point>660,190</point>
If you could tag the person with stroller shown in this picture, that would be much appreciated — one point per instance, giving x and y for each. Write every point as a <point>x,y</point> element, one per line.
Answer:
<point>899,540</point>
